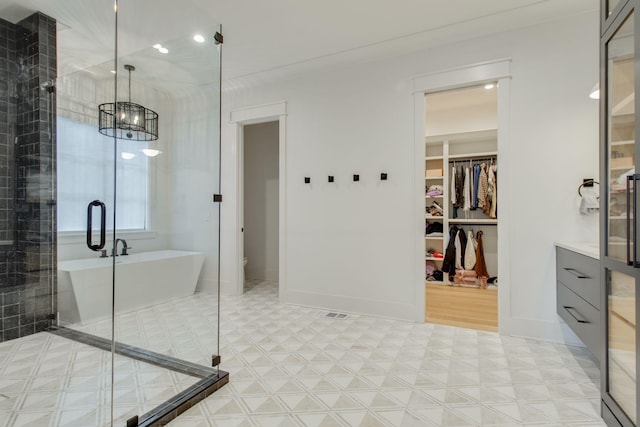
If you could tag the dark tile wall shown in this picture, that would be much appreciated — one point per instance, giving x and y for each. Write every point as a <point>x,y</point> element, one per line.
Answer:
<point>27,176</point>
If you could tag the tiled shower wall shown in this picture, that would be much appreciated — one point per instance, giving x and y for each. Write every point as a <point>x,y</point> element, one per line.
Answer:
<point>27,176</point>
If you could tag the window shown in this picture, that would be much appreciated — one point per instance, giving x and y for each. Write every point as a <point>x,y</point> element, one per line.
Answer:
<point>85,173</point>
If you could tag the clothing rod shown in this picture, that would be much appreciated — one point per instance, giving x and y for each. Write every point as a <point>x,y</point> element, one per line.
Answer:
<point>478,160</point>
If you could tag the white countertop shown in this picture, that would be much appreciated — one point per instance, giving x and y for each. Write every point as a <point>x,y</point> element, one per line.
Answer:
<point>590,249</point>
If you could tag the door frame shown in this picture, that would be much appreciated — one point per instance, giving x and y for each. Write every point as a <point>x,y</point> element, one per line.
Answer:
<point>276,111</point>
<point>471,75</point>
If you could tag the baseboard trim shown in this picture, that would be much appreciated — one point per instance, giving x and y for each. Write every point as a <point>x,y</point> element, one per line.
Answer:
<point>543,330</point>
<point>349,304</point>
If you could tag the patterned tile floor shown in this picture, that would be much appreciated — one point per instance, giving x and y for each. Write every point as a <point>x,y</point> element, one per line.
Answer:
<point>47,380</point>
<point>292,366</point>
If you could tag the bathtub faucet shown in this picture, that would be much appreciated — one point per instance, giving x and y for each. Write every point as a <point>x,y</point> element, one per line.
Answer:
<point>124,248</point>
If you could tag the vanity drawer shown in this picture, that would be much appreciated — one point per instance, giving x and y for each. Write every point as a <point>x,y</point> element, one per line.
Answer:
<point>579,273</point>
<point>581,317</point>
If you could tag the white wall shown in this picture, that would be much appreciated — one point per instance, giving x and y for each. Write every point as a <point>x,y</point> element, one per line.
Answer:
<point>261,200</point>
<point>193,180</point>
<point>350,245</point>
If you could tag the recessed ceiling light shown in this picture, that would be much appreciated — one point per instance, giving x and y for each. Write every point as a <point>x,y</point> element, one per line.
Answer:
<point>163,50</point>
<point>489,86</point>
<point>157,46</point>
<point>199,38</point>
<point>127,156</point>
<point>149,152</point>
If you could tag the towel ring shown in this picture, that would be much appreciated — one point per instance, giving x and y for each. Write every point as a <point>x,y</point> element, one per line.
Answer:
<point>588,183</point>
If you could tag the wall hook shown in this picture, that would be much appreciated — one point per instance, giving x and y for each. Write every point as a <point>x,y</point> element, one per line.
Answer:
<point>356,177</point>
<point>383,176</point>
<point>307,180</point>
<point>331,179</point>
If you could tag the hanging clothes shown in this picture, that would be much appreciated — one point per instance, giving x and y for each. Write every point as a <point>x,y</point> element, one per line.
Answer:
<point>466,191</point>
<point>459,186</point>
<point>453,185</point>
<point>448,263</point>
<point>461,246</point>
<point>470,252</point>
<point>458,244</point>
<point>491,189</point>
<point>483,186</point>
<point>454,193</point>
<point>481,264</point>
<point>494,197</point>
<point>476,182</point>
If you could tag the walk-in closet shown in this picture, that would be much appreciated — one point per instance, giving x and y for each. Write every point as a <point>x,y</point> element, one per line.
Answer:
<point>461,207</point>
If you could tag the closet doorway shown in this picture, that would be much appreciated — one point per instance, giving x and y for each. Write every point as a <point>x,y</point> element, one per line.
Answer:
<point>261,203</point>
<point>461,207</point>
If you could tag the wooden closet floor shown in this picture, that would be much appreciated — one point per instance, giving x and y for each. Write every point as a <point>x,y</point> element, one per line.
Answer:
<point>471,308</point>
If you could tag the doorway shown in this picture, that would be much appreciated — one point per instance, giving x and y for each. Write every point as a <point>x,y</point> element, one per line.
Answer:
<point>461,207</point>
<point>261,204</point>
<point>242,119</point>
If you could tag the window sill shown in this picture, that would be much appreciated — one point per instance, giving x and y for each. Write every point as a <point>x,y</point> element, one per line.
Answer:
<point>75,237</point>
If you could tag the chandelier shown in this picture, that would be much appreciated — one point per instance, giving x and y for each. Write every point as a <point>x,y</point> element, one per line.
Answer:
<point>128,120</point>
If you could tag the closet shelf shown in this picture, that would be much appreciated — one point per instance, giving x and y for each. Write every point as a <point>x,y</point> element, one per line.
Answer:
<point>618,217</point>
<point>434,237</point>
<point>630,142</point>
<point>434,158</point>
<point>427,216</point>
<point>434,177</point>
<point>473,155</point>
<point>434,197</point>
<point>430,258</point>
<point>473,221</point>
<point>621,168</point>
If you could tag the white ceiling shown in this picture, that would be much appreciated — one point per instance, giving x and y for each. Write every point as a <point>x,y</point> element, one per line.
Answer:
<point>267,35</point>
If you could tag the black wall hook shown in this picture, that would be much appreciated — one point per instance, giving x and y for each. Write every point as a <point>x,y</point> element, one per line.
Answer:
<point>307,180</point>
<point>383,176</point>
<point>356,177</point>
<point>331,179</point>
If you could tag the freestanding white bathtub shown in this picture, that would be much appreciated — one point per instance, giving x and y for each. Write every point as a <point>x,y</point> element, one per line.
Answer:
<point>142,280</point>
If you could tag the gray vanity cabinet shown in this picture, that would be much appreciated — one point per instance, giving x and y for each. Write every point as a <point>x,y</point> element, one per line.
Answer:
<point>578,296</point>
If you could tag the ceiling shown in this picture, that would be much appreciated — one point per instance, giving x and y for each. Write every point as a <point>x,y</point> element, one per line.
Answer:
<point>281,35</point>
<point>465,98</point>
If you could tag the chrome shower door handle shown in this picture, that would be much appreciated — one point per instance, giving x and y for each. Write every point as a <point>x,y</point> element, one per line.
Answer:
<point>103,225</point>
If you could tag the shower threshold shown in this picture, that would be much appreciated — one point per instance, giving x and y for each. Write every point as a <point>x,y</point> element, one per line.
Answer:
<point>210,379</point>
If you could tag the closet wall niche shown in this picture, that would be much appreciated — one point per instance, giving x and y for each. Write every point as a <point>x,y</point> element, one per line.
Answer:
<point>461,132</point>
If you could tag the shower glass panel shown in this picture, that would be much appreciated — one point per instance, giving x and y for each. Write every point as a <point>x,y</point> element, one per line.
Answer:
<point>168,222</point>
<point>109,163</point>
<point>621,144</point>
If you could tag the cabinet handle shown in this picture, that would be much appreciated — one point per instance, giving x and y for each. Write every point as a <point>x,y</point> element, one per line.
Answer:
<point>636,264</point>
<point>629,179</point>
<point>578,319</point>
<point>576,273</point>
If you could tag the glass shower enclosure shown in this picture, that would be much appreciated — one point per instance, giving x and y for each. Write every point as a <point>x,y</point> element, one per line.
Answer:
<point>110,213</point>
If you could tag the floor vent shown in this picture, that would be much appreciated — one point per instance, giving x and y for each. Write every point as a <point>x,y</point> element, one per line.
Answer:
<point>337,315</point>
